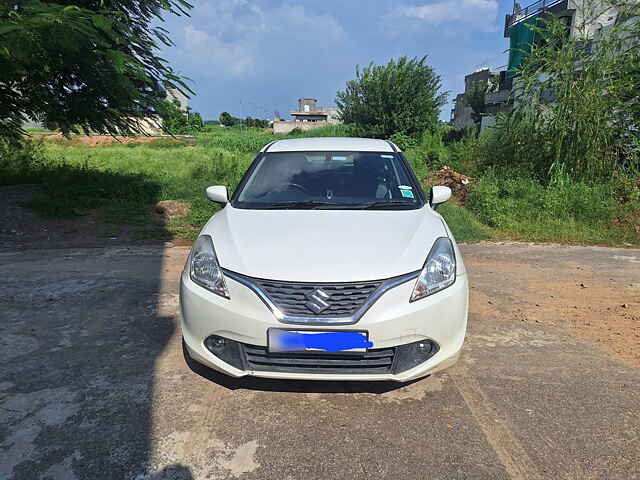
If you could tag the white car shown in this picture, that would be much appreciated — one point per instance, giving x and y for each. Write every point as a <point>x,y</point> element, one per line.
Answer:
<point>327,263</point>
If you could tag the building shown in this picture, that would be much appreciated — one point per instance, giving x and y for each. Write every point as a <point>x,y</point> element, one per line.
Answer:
<point>583,20</point>
<point>150,125</point>
<point>517,28</point>
<point>497,97</point>
<point>175,95</point>
<point>307,117</point>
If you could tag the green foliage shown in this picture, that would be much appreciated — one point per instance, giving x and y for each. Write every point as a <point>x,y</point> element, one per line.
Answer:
<point>433,152</point>
<point>404,142</point>
<point>178,122</point>
<point>402,97</point>
<point>521,207</point>
<point>89,66</point>
<point>121,182</point>
<point>227,120</point>
<point>255,123</point>
<point>252,140</point>
<point>464,224</point>
<point>21,162</point>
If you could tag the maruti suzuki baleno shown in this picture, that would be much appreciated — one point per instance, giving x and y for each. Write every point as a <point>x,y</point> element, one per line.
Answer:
<point>328,262</point>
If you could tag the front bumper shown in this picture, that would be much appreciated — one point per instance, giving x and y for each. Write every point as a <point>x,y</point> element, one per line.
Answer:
<point>390,322</point>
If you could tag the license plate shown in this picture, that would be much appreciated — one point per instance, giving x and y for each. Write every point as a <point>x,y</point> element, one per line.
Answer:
<point>317,341</point>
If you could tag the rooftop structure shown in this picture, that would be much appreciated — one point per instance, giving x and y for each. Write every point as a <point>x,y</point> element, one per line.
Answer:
<point>307,117</point>
<point>520,14</point>
<point>309,111</point>
<point>580,21</point>
<point>517,27</point>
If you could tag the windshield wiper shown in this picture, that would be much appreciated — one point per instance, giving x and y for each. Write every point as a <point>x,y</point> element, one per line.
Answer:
<point>306,204</point>
<point>385,204</point>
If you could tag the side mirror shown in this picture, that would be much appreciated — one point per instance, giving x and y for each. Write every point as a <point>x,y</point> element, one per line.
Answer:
<point>218,194</point>
<point>439,194</point>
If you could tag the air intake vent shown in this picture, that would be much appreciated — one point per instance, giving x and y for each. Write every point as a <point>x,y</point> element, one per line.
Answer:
<point>373,361</point>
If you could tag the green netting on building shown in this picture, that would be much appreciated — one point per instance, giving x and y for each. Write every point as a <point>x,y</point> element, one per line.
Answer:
<point>521,38</point>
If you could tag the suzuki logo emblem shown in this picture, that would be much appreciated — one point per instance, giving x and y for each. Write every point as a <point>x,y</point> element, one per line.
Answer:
<point>317,300</point>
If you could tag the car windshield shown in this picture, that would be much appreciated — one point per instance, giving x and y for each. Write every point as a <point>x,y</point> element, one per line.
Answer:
<point>328,180</point>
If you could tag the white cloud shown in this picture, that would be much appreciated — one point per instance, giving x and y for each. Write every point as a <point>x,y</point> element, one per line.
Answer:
<point>480,14</point>
<point>202,48</point>
<point>238,37</point>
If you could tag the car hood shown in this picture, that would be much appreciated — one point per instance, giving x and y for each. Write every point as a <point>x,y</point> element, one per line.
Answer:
<point>323,245</point>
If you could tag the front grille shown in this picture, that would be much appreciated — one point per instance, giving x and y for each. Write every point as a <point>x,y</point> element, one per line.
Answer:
<point>344,299</point>
<point>373,361</point>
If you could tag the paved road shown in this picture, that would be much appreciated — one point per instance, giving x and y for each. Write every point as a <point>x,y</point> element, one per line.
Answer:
<point>93,384</point>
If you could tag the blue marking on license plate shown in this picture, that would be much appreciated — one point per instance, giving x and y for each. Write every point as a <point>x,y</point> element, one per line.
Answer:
<point>327,341</point>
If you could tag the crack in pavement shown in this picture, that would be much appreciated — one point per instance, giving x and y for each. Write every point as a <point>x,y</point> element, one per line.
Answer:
<point>494,425</point>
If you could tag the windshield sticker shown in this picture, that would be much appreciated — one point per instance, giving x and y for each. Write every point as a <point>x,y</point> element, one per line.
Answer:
<point>406,193</point>
<point>386,156</point>
<point>339,159</point>
<point>405,187</point>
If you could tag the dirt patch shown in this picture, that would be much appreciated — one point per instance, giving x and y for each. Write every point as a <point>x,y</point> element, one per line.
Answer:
<point>591,305</point>
<point>458,183</point>
<point>107,140</point>
<point>607,316</point>
<point>168,209</point>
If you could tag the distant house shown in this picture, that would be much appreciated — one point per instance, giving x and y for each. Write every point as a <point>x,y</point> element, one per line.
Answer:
<point>307,117</point>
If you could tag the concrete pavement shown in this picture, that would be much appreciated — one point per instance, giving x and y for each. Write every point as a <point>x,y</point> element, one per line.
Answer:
<point>93,383</point>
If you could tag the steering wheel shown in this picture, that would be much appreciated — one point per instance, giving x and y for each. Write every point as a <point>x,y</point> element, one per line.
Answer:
<point>299,187</point>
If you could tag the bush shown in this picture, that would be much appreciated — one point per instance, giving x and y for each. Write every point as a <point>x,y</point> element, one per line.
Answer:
<point>521,206</point>
<point>404,142</point>
<point>402,97</point>
<point>178,122</point>
<point>22,162</point>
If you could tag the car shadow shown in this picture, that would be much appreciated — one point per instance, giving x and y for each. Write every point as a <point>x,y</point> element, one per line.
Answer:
<point>291,386</point>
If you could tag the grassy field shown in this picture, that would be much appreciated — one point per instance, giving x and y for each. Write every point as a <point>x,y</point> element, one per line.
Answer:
<point>123,182</point>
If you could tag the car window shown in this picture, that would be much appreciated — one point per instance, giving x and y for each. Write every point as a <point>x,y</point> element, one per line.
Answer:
<point>329,179</point>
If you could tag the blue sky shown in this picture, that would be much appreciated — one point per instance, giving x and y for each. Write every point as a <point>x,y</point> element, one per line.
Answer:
<point>252,57</point>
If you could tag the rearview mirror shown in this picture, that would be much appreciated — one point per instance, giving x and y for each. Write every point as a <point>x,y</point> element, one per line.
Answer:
<point>218,194</point>
<point>439,194</point>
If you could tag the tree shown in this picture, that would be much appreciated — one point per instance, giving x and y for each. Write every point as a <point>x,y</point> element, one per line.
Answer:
<point>255,122</point>
<point>84,65</point>
<point>178,122</point>
<point>403,97</point>
<point>227,120</point>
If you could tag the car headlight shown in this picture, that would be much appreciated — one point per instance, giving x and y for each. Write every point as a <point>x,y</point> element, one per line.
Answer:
<point>439,270</point>
<point>204,268</point>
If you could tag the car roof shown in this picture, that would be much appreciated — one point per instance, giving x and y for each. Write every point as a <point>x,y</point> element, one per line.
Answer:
<point>330,144</point>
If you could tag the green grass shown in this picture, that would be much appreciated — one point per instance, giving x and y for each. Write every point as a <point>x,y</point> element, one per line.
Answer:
<point>464,225</point>
<point>39,130</point>
<point>122,182</point>
<point>520,207</point>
